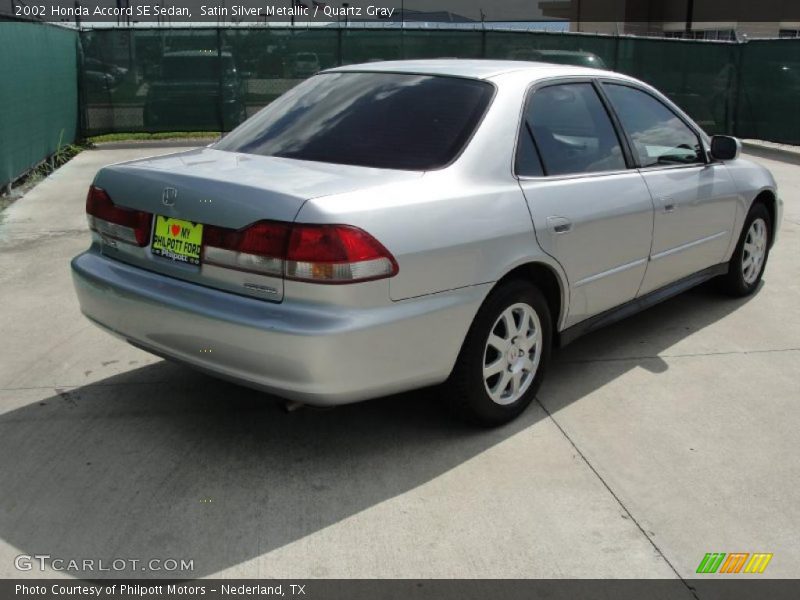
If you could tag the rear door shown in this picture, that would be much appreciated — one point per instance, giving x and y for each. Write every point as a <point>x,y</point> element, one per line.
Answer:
<point>590,211</point>
<point>694,199</point>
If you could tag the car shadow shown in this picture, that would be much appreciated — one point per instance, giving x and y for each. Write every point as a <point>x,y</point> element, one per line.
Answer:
<point>163,462</point>
<point>636,342</point>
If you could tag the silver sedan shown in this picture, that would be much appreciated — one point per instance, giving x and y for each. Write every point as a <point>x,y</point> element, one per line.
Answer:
<point>389,226</point>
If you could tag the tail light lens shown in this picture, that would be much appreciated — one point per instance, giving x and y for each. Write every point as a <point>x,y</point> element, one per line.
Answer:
<point>336,254</point>
<point>259,248</point>
<point>111,221</point>
<point>315,253</point>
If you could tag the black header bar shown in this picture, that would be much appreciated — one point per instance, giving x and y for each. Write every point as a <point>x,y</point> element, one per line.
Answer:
<point>402,11</point>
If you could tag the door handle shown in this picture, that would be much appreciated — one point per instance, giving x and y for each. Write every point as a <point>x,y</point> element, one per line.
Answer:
<point>559,224</point>
<point>667,205</point>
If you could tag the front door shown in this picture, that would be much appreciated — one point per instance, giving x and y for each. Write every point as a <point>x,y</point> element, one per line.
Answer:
<point>695,200</point>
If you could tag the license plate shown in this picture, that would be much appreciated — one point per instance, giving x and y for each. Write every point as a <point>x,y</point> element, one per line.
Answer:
<point>177,239</point>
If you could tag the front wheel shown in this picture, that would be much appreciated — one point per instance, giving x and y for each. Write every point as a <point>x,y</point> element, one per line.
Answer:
<point>504,356</point>
<point>750,257</point>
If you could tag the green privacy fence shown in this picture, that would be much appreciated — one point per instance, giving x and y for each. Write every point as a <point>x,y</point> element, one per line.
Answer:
<point>769,91</point>
<point>38,94</point>
<point>210,79</point>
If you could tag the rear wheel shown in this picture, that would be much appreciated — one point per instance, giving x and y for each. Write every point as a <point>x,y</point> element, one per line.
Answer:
<point>504,356</point>
<point>750,257</point>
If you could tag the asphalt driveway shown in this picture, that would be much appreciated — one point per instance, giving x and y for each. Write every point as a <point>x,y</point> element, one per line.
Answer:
<point>655,441</point>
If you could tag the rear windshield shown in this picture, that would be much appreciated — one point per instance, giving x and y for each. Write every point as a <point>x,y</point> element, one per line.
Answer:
<point>386,120</point>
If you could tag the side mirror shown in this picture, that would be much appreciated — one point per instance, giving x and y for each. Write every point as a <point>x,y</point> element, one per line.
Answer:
<point>725,147</point>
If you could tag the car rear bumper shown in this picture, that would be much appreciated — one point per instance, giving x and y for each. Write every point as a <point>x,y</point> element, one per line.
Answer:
<point>318,354</point>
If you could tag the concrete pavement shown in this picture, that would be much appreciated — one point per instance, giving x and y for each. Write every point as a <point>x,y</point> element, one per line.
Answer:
<point>664,437</point>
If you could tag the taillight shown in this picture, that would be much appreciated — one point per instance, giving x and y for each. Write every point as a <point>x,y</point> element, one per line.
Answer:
<point>259,248</point>
<point>315,253</point>
<point>109,220</point>
<point>336,254</point>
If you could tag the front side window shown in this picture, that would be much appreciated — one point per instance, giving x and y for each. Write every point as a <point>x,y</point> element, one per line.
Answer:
<point>572,132</point>
<point>659,137</point>
<point>385,120</point>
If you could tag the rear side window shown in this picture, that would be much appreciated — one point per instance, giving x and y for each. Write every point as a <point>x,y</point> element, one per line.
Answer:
<point>528,163</point>
<point>571,131</point>
<point>387,120</point>
<point>659,137</point>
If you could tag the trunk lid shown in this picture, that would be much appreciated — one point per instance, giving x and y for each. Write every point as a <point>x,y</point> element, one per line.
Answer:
<point>229,190</point>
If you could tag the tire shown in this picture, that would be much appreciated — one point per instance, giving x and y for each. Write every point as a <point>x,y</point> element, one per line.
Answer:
<point>522,361</point>
<point>750,257</point>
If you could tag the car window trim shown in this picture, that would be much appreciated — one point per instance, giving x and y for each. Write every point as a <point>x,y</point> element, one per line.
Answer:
<point>602,81</point>
<point>624,142</point>
<point>530,90</point>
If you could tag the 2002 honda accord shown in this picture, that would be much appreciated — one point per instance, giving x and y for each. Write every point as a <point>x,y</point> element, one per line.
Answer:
<point>389,226</point>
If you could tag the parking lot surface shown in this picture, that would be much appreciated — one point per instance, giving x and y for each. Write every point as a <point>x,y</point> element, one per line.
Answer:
<point>654,441</point>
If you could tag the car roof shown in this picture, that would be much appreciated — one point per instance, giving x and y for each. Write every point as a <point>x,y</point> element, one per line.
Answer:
<point>472,68</point>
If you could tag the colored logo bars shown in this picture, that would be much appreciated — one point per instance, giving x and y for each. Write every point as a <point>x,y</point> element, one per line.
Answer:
<point>714,562</point>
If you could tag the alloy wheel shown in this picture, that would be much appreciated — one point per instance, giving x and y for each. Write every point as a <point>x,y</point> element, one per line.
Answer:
<point>755,250</point>
<point>512,353</point>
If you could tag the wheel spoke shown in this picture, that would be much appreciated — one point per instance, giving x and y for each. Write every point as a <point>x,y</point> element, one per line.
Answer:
<point>498,343</point>
<point>511,324</point>
<point>501,385</point>
<point>495,367</point>
<point>530,332</point>
<point>528,326</point>
<point>516,382</point>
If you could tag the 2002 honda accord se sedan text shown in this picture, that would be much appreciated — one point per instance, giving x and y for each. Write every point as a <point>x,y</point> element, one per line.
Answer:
<point>395,225</point>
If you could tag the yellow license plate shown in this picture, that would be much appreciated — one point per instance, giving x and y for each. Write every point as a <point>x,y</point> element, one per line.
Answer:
<point>177,239</point>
